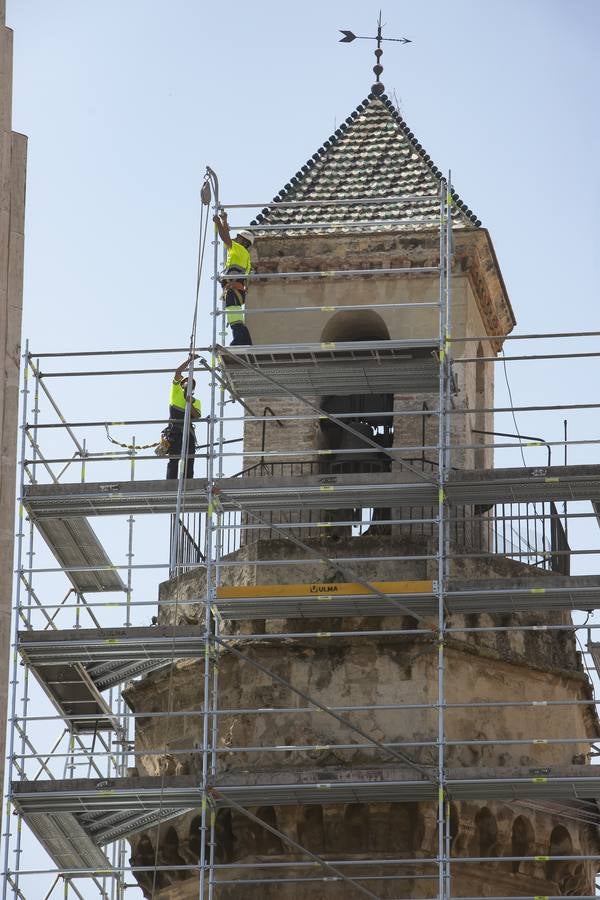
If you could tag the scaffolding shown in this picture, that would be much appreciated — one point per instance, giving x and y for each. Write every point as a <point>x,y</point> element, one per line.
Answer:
<point>87,623</point>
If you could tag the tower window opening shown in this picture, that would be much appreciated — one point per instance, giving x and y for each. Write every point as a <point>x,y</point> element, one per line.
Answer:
<point>369,415</point>
<point>366,519</point>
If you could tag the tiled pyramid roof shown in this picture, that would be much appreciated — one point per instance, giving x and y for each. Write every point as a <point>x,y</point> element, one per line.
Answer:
<point>372,154</point>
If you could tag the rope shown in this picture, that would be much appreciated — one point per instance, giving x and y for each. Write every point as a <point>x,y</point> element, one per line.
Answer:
<point>512,407</point>
<point>205,197</point>
<point>129,446</point>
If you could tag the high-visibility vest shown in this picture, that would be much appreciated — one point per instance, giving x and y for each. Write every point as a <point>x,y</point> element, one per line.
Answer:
<point>177,401</point>
<point>234,312</point>
<point>239,257</point>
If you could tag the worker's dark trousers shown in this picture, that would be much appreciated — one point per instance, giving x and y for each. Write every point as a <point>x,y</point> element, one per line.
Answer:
<point>241,335</point>
<point>240,332</point>
<point>173,464</point>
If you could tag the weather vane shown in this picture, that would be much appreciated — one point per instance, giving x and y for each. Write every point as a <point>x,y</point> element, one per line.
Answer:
<point>378,88</point>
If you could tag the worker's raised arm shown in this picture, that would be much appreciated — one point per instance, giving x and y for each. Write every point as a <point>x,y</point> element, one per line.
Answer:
<point>223,228</point>
<point>178,376</point>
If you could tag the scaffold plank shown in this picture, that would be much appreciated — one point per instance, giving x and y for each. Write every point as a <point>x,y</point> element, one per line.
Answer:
<point>139,497</point>
<point>104,810</point>
<point>404,784</point>
<point>517,485</point>
<point>526,594</point>
<point>66,841</point>
<point>377,367</point>
<point>319,599</point>
<point>114,645</point>
<point>593,648</point>
<point>324,599</point>
<point>524,485</point>
<point>327,785</point>
<point>88,798</point>
<point>75,665</point>
<point>72,691</point>
<point>105,827</point>
<point>75,544</point>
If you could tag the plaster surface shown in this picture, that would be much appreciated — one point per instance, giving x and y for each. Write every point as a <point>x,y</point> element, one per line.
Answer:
<point>13,149</point>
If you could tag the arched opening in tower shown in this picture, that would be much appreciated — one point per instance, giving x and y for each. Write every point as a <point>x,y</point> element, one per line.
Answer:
<point>522,843</point>
<point>561,844</point>
<point>369,416</point>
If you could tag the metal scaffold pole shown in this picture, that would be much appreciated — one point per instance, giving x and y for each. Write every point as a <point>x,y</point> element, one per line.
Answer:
<point>218,397</point>
<point>212,558</point>
<point>444,423</point>
<point>441,543</point>
<point>14,879</point>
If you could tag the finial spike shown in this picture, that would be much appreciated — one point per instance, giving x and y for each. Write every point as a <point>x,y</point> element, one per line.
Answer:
<point>348,36</point>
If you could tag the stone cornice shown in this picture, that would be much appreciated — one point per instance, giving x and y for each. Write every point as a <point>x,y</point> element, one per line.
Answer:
<point>475,254</point>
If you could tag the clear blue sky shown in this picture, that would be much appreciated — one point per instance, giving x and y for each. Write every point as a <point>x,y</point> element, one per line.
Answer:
<point>126,102</point>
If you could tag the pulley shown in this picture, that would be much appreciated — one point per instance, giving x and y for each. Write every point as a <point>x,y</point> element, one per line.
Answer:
<point>205,193</point>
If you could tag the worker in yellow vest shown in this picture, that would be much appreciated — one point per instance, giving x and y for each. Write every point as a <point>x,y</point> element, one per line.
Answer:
<point>238,262</point>
<point>177,403</point>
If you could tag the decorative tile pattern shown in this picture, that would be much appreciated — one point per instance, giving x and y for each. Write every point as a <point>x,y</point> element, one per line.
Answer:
<point>372,154</point>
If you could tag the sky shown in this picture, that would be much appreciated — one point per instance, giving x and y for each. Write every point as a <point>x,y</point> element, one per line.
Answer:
<point>126,102</point>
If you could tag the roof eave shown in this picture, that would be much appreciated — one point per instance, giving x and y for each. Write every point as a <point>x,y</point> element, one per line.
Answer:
<point>488,283</point>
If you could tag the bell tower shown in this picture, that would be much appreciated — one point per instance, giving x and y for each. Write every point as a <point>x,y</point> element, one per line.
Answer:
<point>360,732</point>
<point>375,279</point>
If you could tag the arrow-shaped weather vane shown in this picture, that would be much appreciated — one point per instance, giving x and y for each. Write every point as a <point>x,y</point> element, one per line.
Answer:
<point>349,36</point>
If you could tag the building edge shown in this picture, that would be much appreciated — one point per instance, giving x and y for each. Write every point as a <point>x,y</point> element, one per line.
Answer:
<point>13,162</point>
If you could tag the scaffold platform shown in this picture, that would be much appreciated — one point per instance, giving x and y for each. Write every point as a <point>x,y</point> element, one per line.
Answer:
<point>93,812</point>
<point>324,599</point>
<point>66,841</point>
<point>319,599</point>
<point>99,646</point>
<point>515,485</point>
<point>74,666</point>
<point>371,367</point>
<point>77,698</point>
<point>78,550</point>
<point>593,649</point>
<point>112,808</point>
<point>405,785</point>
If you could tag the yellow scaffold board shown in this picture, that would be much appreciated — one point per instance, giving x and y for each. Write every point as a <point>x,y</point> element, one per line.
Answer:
<point>322,589</point>
<point>325,599</point>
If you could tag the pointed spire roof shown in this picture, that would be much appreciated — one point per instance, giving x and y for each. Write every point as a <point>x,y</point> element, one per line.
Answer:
<point>372,154</point>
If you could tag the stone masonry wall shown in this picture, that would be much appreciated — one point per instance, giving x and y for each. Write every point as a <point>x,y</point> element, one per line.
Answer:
<point>358,252</point>
<point>378,831</point>
<point>384,669</point>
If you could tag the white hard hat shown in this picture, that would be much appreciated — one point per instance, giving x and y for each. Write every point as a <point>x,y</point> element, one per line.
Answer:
<point>247,235</point>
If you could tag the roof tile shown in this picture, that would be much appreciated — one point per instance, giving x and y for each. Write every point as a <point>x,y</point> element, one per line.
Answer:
<point>372,154</point>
